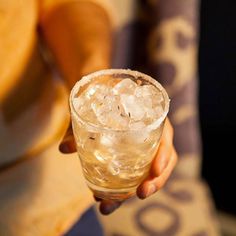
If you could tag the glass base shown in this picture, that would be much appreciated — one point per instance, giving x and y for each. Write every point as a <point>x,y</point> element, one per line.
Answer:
<point>111,194</point>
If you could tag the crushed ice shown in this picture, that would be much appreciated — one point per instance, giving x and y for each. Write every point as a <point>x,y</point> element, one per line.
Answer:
<point>126,105</point>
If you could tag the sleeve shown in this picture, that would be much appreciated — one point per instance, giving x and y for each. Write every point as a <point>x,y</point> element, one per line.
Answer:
<point>160,38</point>
<point>46,5</point>
<point>172,59</point>
<point>163,42</point>
<point>78,33</point>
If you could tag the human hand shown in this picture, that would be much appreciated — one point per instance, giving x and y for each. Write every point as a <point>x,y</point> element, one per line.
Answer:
<point>161,168</point>
<point>162,164</point>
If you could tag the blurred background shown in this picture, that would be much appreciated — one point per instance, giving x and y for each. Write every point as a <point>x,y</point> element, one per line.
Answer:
<point>184,206</point>
<point>217,70</point>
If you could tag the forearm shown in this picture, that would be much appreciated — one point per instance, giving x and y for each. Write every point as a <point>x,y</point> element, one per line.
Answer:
<point>79,35</point>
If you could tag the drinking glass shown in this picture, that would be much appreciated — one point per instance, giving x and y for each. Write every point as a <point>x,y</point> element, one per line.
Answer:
<point>115,159</point>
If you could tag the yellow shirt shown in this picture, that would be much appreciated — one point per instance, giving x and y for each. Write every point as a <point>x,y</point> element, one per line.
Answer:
<point>42,192</point>
<point>33,102</point>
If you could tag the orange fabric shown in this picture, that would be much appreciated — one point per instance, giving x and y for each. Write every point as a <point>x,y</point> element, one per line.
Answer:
<point>42,192</point>
<point>73,32</point>
<point>15,50</point>
<point>29,93</point>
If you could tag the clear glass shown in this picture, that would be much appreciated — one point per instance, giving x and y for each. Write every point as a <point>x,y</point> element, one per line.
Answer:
<point>115,161</point>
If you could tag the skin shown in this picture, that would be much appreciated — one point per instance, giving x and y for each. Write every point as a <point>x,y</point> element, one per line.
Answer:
<point>161,168</point>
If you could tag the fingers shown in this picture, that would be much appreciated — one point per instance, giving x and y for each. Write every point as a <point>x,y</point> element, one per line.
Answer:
<point>162,165</point>
<point>168,131</point>
<point>153,184</point>
<point>67,144</point>
<point>161,160</point>
<point>164,151</point>
<point>161,180</point>
<point>108,206</point>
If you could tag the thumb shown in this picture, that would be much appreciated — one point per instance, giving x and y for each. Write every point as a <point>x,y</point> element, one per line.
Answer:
<point>67,144</point>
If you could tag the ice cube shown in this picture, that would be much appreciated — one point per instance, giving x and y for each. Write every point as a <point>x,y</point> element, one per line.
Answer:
<point>158,111</point>
<point>88,143</point>
<point>108,139</point>
<point>150,113</point>
<point>137,125</point>
<point>131,175</point>
<point>101,107</point>
<point>155,112</point>
<point>150,94</point>
<point>103,156</point>
<point>114,167</point>
<point>147,90</point>
<point>117,121</point>
<point>139,137</point>
<point>83,108</point>
<point>141,163</point>
<point>126,86</point>
<point>109,113</point>
<point>102,93</point>
<point>99,173</point>
<point>90,91</point>
<point>132,106</point>
<point>152,99</point>
<point>78,102</point>
<point>81,105</point>
<point>142,91</point>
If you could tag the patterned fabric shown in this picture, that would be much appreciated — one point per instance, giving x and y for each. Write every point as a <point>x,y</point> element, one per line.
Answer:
<point>183,207</point>
<point>160,38</point>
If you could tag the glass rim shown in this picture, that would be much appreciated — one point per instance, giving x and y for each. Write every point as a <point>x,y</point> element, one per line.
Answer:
<point>88,78</point>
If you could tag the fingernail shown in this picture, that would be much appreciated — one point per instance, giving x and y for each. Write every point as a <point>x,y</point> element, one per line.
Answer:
<point>140,193</point>
<point>151,189</point>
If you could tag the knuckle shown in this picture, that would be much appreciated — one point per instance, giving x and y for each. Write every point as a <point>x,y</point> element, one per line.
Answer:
<point>159,184</point>
<point>175,157</point>
<point>171,128</point>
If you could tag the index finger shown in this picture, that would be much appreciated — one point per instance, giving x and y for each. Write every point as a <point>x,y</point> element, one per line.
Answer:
<point>68,144</point>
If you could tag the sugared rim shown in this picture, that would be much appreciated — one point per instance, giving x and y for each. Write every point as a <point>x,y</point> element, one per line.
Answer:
<point>88,78</point>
